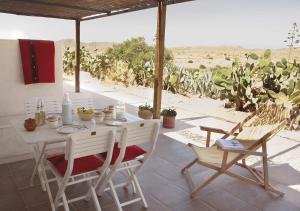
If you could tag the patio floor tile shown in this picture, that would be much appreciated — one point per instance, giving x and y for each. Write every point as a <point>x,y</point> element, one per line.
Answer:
<point>34,196</point>
<point>164,186</point>
<point>10,199</point>
<point>4,170</point>
<point>194,205</point>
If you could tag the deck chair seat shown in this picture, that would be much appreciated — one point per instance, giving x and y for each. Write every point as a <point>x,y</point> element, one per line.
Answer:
<point>131,153</point>
<point>214,155</point>
<point>81,165</point>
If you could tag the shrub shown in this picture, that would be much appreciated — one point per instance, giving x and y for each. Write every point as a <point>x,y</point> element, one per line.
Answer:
<point>168,112</point>
<point>145,107</point>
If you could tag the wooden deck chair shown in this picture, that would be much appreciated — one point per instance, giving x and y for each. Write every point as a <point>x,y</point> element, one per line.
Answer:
<point>129,157</point>
<point>80,164</point>
<point>221,160</point>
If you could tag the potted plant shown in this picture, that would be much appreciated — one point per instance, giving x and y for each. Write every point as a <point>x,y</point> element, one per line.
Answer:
<point>169,116</point>
<point>145,111</point>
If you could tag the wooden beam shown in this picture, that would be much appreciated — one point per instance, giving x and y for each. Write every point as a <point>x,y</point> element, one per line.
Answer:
<point>160,46</point>
<point>143,7</point>
<point>63,5</point>
<point>77,52</point>
<point>43,15</point>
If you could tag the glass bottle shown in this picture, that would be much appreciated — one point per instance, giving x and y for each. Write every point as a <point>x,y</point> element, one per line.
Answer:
<point>120,110</point>
<point>42,114</point>
<point>67,115</point>
<point>37,113</point>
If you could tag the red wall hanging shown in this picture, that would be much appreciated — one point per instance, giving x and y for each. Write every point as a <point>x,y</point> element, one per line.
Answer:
<point>38,61</point>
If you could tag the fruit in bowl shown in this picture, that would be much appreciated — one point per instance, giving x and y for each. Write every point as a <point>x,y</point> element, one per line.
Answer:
<point>85,114</point>
<point>30,124</point>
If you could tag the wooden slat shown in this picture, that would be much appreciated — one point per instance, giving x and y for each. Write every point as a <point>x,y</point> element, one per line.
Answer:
<point>85,143</point>
<point>63,5</point>
<point>77,9</point>
<point>160,46</point>
<point>23,13</point>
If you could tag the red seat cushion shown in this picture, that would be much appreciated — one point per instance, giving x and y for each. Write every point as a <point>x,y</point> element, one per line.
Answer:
<point>131,153</point>
<point>81,165</point>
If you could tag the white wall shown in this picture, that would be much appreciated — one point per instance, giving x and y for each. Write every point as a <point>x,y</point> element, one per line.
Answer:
<point>13,92</point>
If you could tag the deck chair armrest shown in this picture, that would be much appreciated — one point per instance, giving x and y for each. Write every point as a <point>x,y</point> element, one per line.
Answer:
<point>214,130</point>
<point>243,151</point>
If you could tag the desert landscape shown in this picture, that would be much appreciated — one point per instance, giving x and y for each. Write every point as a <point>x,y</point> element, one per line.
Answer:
<point>193,57</point>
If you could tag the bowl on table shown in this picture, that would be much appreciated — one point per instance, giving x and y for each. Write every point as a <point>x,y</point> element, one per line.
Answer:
<point>108,114</point>
<point>85,114</point>
<point>99,116</point>
<point>52,121</point>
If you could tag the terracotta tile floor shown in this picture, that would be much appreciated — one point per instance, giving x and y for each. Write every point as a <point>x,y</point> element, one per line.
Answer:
<point>164,187</point>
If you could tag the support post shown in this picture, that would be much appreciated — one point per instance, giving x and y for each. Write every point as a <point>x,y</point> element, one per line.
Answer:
<point>160,46</point>
<point>77,52</point>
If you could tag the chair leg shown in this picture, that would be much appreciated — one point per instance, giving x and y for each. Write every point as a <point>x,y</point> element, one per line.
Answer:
<point>95,199</point>
<point>38,154</point>
<point>130,175</point>
<point>201,186</point>
<point>188,166</point>
<point>65,202</point>
<point>115,196</point>
<point>265,166</point>
<point>48,189</point>
<point>139,189</point>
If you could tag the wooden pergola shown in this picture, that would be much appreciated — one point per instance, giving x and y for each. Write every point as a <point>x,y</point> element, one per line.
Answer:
<point>83,10</point>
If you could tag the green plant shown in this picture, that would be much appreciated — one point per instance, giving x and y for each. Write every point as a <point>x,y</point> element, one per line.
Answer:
<point>208,56</point>
<point>202,66</point>
<point>145,107</point>
<point>69,61</point>
<point>292,40</point>
<point>206,86</point>
<point>227,57</point>
<point>242,87</point>
<point>168,112</point>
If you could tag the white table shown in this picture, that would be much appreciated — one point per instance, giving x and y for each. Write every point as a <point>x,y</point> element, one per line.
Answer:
<point>45,135</point>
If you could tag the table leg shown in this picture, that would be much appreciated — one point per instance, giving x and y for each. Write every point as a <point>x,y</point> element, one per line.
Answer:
<point>38,163</point>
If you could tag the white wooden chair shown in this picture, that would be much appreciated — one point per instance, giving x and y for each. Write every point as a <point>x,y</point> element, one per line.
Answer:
<point>80,164</point>
<point>81,100</point>
<point>50,105</point>
<point>129,157</point>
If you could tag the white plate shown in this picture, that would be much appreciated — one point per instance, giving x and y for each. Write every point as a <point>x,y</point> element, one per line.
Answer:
<point>113,123</point>
<point>67,129</point>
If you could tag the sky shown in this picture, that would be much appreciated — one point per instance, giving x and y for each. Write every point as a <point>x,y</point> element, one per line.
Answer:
<point>250,24</point>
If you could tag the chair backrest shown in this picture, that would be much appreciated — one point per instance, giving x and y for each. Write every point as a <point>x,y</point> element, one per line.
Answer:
<point>145,131</point>
<point>50,105</point>
<point>81,100</point>
<point>90,142</point>
<point>260,134</point>
<point>269,114</point>
<point>253,145</point>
